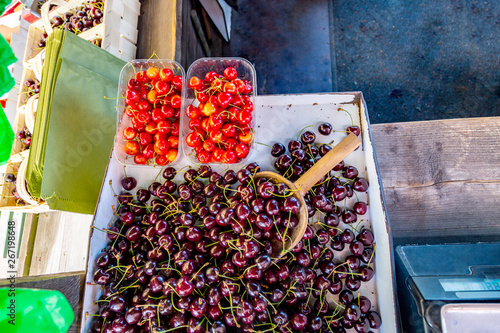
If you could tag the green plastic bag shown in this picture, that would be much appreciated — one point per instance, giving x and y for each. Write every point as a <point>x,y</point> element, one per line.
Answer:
<point>6,58</point>
<point>6,138</point>
<point>74,168</point>
<point>34,310</point>
<point>77,76</point>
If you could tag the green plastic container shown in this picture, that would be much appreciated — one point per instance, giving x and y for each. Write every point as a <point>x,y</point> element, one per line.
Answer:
<point>34,310</point>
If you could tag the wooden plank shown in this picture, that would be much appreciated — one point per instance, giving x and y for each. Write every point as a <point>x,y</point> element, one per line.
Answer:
<point>157,29</point>
<point>27,244</point>
<point>441,178</point>
<point>61,243</point>
<point>70,285</point>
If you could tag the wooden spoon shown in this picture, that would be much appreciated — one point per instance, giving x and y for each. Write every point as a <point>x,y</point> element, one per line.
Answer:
<point>305,183</point>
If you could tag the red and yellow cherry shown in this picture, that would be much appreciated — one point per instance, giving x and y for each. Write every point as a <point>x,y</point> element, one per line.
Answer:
<point>195,83</point>
<point>177,82</point>
<point>233,113</point>
<point>172,155</point>
<point>229,88</point>
<point>202,97</point>
<point>216,84</point>
<point>205,124</point>
<point>142,77</point>
<point>216,136</point>
<point>217,154</point>
<point>244,117</point>
<point>132,147</point>
<point>162,87</point>
<point>153,73</point>
<point>215,122</point>
<point>151,128</point>
<point>133,84</point>
<point>240,85</point>
<point>145,138</point>
<point>248,106</point>
<point>248,87</point>
<point>131,110</point>
<point>161,160</point>
<point>175,101</point>
<point>159,136</point>
<point>246,137</point>
<point>213,99</point>
<point>143,105</point>
<point>131,96</point>
<point>224,99</point>
<point>208,109</point>
<point>167,111</point>
<point>230,73</point>
<point>229,143</point>
<point>157,115</point>
<point>164,126</point>
<point>166,74</point>
<point>238,101</point>
<point>129,133</point>
<point>161,147</point>
<point>152,97</point>
<point>173,141</point>
<point>208,145</point>
<point>176,128</point>
<point>194,124</point>
<point>228,130</point>
<point>138,126</point>
<point>144,116</point>
<point>140,159</point>
<point>229,157</point>
<point>149,151</point>
<point>204,156</point>
<point>192,111</point>
<point>209,77</point>
<point>241,150</point>
<point>193,139</point>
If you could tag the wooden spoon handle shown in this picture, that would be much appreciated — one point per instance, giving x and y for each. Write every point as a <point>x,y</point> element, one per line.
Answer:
<point>327,162</point>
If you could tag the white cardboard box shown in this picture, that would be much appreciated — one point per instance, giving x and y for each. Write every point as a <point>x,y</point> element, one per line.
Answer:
<point>278,118</point>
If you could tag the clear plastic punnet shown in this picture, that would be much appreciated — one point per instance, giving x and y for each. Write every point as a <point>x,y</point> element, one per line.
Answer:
<point>126,113</point>
<point>245,72</point>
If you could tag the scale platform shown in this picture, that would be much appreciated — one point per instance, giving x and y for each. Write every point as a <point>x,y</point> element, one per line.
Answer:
<point>440,284</point>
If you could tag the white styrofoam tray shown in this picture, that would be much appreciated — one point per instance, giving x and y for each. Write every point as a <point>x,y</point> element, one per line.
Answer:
<point>279,118</point>
<point>470,318</point>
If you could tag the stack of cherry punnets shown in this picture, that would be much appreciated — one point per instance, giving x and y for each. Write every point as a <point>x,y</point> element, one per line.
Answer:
<point>187,247</point>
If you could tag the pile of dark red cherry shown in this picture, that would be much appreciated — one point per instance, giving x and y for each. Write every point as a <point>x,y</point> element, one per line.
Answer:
<point>32,87</point>
<point>196,256</point>
<point>81,19</point>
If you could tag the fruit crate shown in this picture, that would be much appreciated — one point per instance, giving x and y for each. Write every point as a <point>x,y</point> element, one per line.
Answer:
<point>18,148</point>
<point>7,200</point>
<point>279,118</point>
<point>117,33</point>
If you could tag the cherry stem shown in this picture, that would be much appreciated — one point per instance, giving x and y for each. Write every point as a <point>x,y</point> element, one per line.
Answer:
<point>298,136</point>
<point>352,122</point>
<point>373,253</point>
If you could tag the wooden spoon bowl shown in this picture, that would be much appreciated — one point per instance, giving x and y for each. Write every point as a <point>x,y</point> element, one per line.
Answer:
<point>304,184</point>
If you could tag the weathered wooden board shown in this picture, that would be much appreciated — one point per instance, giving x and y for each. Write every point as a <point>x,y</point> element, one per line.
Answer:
<point>157,29</point>
<point>27,243</point>
<point>61,243</point>
<point>441,178</point>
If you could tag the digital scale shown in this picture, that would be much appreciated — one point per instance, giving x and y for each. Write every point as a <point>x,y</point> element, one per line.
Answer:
<point>451,288</point>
